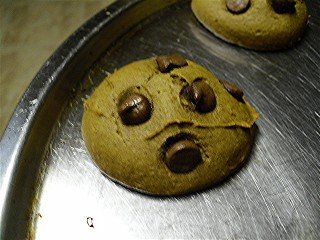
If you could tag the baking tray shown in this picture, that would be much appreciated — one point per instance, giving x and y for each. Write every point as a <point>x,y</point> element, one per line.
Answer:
<point>50,189</point>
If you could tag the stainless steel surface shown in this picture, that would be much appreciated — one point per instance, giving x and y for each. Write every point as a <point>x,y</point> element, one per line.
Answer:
<point>50,185</point>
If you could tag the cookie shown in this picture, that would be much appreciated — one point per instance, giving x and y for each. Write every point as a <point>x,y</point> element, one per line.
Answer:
<point>167,126</point>
<point>254,24</point>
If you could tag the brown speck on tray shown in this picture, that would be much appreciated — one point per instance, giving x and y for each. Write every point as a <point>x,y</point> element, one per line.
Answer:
<point>90,222</point>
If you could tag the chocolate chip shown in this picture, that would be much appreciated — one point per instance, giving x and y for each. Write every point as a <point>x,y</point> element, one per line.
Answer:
<point>201,96</point>
<point>134,109</point>
<point>233,90</point>
<point>169,62</point>
<point>283,6</point>
<point>183,156</point>
<point>238,6</point>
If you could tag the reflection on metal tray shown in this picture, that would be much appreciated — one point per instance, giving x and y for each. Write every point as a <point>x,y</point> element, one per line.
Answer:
<point>50,189</point>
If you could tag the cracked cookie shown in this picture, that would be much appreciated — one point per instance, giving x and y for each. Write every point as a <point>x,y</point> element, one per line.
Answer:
<point>167,126</point>
<point>254,24</point>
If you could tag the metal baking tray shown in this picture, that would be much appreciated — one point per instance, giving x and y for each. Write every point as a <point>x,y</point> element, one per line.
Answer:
<point>50,188</point>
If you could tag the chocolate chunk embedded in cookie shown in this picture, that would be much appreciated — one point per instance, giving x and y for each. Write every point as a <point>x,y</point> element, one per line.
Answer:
<point>168,62</point>
<point>238,6</point>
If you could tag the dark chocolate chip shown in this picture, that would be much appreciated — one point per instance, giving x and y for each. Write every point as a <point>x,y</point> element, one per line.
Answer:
<point>201,96</point>
<point>283,6</point>
<point>238,6</point>
<point>233,90</point>
<point>134,109</point>
<point>169,62</point>
<point>183,156</point>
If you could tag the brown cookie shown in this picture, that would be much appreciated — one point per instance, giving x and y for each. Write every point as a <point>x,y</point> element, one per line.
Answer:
<point>167,133</point>
<point>254,24</point>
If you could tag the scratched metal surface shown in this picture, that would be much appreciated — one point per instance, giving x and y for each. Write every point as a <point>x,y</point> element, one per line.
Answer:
<point>274,196</point>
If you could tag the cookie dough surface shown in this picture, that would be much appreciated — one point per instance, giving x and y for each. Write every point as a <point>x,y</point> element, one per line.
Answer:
<point>133,154</point>
<point>259,27</point>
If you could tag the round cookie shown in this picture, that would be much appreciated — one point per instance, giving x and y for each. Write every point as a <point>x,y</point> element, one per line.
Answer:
<point>254,24</point>
<point>167,126</point>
